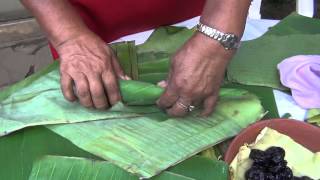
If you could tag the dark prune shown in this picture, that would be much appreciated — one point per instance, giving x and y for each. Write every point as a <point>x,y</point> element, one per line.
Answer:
<point>276,153</point>
<point>255,174</point>
<point>269,176</point>
<point>276,169</point>
<point>259,166</point>
<point>286,174</point>
<point>269,165</point>
<point>258,156</point>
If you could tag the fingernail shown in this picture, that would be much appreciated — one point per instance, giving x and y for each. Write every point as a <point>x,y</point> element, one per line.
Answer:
<point>122,77</point>
<point>162,84</point>
<point>127,77</point>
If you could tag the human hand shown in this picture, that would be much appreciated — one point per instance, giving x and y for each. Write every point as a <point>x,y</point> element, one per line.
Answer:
<point>90,66</point>
<point>197,70</point>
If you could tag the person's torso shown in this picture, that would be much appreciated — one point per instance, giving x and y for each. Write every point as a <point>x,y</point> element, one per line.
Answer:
<point>112,19</point>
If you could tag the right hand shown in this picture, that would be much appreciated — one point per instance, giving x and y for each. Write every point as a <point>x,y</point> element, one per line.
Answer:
<point>89,71</point>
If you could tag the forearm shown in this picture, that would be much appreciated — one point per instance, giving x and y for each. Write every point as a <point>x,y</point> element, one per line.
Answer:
<point>226,15</point>
<point>58,19</point>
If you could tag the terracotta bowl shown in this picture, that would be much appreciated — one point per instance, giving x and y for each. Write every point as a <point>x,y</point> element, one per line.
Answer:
<point>303,133</point>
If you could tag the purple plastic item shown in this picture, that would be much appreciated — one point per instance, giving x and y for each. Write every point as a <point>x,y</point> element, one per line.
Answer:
<point>302,75</point>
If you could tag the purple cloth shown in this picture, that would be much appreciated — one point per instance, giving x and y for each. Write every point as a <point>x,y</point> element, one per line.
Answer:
<point>302,75</point>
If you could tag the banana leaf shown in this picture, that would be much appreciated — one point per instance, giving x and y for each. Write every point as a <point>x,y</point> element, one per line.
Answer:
<point>150,143</point>
<point>160,66</point>
<point>128,136</point>
<point>153,56</point>
<point>166,39</point>
<point>59,167</point>
<point>256,61</point>
<point>265,94</point>
<point>127,56</point>
<point>292,25</point>
<point>153,78</point>
<point>38,101</point>
<point>211,153</point>
<point>139,138</point>
<point>313,116</point>
<point>20,149</point>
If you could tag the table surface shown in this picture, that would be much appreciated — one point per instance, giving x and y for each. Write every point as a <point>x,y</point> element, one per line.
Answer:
<point>254,29</point>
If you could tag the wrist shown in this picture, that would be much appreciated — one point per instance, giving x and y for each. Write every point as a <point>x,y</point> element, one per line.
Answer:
<point>65,35</point>
<point>213,47</point>
<point>75,42</point>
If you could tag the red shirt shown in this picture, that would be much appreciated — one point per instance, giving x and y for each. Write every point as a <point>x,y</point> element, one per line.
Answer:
<point>111,19</point>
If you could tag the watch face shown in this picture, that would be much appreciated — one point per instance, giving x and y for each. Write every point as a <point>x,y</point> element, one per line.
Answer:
<point>229,41</point>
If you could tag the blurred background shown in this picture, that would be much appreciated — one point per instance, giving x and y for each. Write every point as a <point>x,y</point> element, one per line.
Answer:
<point>278,9</point>
<point>24,48</point>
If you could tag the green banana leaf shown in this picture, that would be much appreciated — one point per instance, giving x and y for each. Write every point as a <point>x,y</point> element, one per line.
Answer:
<point>153,78</point>
<point>153,65</point>
<point>59,167</point>
<point>210,153</point>
<point>20,149</point>
<point>137,132</point>
<point>166,39</point>
<point>148,144</point>
<point>265,94</point>
<point>313,116</point>
<point>140,139</point>
<point>256,61</point>
<point>153,56</point>
<point>202,168</point>
<point>160,66</point>
<point>39,101</point>
<point>127,56</point>
<point>271,51</point>
<point>293,25</point>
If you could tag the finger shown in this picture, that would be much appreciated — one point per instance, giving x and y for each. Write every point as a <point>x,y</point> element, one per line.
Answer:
<point>97,92</point>
<point>83,90</point>
<point>118,69</point>
<point>168,98</point>
<point>180,108</point>
<point>111,85</point>
<point>126,77</point>
<point>163,84</point>
<point>67,87</point>
<point>208,105</point>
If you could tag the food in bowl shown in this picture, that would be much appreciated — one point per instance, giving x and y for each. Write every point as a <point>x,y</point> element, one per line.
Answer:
<point>269,164</point>
<point>301,161</point>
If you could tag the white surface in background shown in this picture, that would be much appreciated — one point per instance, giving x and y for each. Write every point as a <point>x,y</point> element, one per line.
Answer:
<point>286,104</point>
<point>254,29</point>
<point>305,7</point>
<point>254,10</point>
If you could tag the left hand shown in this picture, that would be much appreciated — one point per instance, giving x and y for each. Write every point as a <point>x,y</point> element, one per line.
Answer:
<point>197,71</point>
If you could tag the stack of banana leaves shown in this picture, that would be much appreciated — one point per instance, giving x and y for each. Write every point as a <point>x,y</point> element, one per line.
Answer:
<point>43,136</point>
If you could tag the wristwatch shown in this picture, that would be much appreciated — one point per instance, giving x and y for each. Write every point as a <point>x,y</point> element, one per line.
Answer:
<point>228,40</point>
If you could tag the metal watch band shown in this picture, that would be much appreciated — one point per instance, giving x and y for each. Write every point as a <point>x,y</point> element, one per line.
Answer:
<point>227,40</point>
